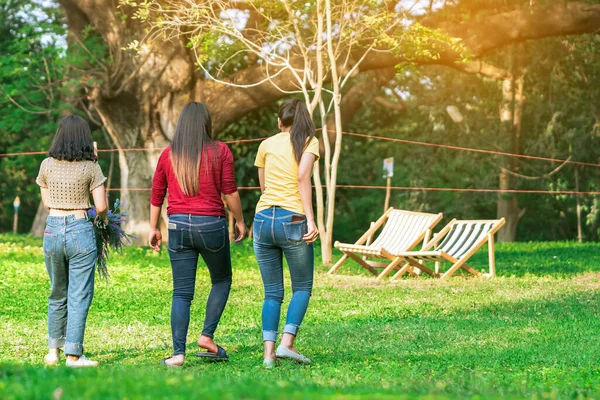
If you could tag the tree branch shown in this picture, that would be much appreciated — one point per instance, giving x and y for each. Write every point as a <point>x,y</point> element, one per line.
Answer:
<point>482,34</point>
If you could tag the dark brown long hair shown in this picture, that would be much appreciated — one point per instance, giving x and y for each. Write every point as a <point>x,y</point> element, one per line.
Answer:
<point>192,142</point>
<point>294,114</point>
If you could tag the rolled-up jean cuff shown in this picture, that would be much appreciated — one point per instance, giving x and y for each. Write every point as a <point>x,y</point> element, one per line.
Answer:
<point>269,336</point>
<point>73,349</point>
<point>209,335</point>
<point>291,329</point>
<point>56,343</point>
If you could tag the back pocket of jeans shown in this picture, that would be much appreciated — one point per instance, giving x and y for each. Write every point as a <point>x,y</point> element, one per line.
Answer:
<point>49,244</point>
<point>84,240</point>
<point>295,231</point>
<point>213,240</point>
<point>175,243</point>
<point>256,228</point>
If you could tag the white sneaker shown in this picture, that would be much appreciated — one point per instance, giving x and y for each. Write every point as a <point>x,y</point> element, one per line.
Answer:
<point>284,352</point>
<point>51,359</point>
<point>82,362</point>
<point>270,363</point>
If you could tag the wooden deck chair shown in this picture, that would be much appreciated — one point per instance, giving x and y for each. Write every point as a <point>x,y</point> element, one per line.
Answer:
<point>461,239</point>
<point>403,231</point>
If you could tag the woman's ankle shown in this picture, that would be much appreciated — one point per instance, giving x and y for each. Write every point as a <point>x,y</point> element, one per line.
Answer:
<point>207,343</point>
<point>269,349</point>
<point>288,340</point>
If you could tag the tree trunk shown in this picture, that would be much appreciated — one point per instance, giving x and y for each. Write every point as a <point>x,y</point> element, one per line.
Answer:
<point>508,208</point>
<point>39,223</point>
<point>578,209</point>
<point>136,172</point>
<point>510,117</point>
<point>129,126</point>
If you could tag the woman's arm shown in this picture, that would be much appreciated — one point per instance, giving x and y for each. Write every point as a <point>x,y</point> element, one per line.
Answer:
<point>44,197</point>
<point>230,191</point>
<point>305,186</point>
<point>261,179</point>
<point>99,196</point>
<point>235,206</point>
<point>157,197</point>
<point>155,237</point>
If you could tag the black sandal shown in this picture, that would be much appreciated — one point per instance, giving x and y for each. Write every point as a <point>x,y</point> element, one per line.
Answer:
<point>220,355</point>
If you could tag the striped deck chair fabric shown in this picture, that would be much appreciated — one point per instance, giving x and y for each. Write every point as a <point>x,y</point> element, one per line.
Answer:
<point>403,231</point>
<point>461,239</point>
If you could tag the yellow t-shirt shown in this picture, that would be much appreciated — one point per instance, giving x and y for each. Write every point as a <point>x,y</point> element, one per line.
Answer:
<point>276,156</point>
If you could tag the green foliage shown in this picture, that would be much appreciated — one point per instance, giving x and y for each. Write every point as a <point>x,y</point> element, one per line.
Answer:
<point>560,120</point>
<point>31,71</point>
<point>523,335</point>
<point>40,81</point>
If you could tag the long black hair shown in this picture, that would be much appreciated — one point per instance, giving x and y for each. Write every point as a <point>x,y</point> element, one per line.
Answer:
<point>192,141</point>
<point>294,114</point>
<point>73,140</point>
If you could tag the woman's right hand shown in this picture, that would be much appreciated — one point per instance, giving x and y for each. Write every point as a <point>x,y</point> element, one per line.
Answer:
<point>155,239</point>
<point>313,232</point>
<point>241,228</point>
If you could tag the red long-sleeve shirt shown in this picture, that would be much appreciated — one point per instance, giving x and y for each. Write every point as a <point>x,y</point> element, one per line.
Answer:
<point>221,179</point>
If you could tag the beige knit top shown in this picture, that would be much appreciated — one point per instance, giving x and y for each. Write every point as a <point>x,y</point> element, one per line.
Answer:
<point>69,183</point>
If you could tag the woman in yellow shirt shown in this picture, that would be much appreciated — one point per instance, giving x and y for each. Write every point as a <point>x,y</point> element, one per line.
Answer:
<point>284,225</point>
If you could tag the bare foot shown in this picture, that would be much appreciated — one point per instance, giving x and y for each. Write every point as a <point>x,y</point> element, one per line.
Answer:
<point>175,361</point>
<point>207,343</point>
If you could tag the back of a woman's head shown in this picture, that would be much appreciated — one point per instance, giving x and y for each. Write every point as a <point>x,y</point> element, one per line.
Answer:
<point>192,142</point>
<point>73,141</point>
<point>293,114</point>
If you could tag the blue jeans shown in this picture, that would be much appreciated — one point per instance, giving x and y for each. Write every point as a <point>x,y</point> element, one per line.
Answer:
<point>191,236</point>
<point>70,257</point>
<point>278,232</point>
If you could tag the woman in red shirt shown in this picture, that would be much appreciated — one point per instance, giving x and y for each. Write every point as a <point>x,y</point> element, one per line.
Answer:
<point>196,170</point>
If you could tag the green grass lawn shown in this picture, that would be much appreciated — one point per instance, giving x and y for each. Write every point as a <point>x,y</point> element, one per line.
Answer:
<point>531,333</point>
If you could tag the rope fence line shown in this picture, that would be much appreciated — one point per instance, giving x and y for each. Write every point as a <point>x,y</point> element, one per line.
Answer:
<point>375,187</point>
<point>384,138</point>
<point>469,149</point>
<point>424,189</point>
<point>33,153</point>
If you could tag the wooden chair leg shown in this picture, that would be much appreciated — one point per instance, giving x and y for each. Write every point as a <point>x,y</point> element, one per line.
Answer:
<point>453,269</point>
<point>491,255</point>
<point>422,267</point>
<point>418,271</point>
<point>363,263</point>
<point>389,268</point>
<point>369,239</point>
<point>338,264</point>
<point>401,272</point>
<point>470,270</point>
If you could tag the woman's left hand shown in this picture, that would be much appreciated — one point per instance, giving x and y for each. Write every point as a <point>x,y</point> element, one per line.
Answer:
<point>313,232</point>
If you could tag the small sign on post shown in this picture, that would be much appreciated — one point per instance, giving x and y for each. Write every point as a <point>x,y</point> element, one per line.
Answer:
<point>16,205</point>
<point>388,172</point>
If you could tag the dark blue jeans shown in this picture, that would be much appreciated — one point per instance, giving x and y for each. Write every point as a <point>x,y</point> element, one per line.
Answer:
<point>70,257</point>
<point>276,235</point>
<point>191,236</point>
